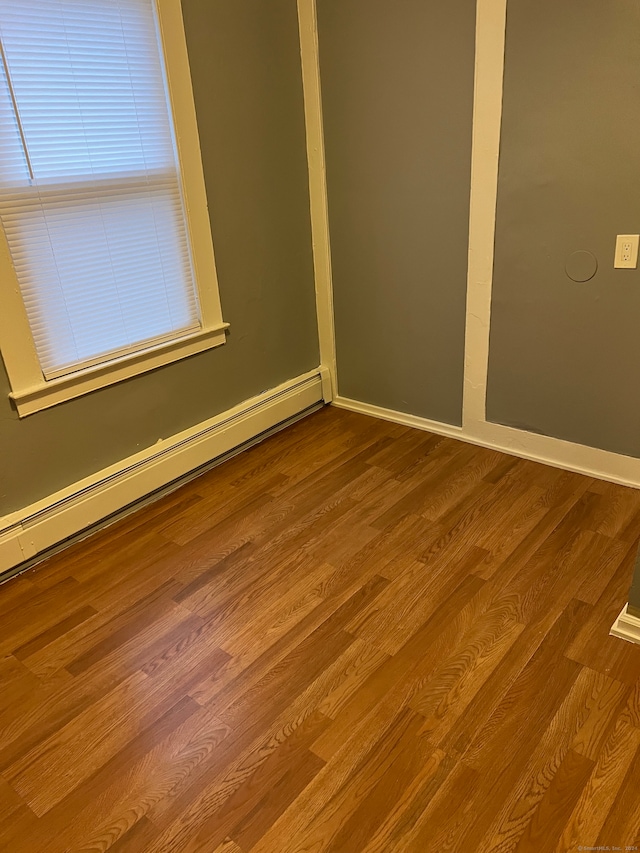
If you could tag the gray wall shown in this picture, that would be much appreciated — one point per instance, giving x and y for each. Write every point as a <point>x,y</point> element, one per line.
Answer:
<point>397,83</point>
<point>564,356</point>
<point>245,63</point>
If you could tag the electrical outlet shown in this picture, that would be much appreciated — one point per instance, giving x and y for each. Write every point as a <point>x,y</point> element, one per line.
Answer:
<point>626,252</point>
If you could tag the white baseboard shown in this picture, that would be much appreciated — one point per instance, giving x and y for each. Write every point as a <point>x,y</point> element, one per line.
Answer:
<point>601,464</point>
<point>399,417</point>
<point>626,626</point>
<point>34,529</point>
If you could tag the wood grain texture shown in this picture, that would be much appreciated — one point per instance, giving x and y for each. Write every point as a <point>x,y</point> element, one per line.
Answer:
<point>352,638</point>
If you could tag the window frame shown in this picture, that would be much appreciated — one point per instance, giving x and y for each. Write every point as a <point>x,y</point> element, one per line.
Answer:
<point>30,391</point>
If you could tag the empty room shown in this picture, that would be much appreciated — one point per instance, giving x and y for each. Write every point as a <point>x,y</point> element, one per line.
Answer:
<point>319,426</point>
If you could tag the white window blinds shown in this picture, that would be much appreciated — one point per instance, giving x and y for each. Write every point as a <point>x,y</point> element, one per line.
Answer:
<point>90,192</point>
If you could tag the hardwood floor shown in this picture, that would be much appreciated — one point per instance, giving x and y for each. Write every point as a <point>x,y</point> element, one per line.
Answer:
<point>353,638</point>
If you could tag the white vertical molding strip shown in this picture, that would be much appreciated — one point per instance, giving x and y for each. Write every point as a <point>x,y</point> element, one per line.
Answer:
<point>307,23</point>
<point>491,18</point>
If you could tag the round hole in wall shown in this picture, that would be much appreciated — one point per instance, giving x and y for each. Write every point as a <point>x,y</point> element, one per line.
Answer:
<point>581,266</point>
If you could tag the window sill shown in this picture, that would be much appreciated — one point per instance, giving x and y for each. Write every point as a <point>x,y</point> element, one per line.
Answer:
<point>50,393</point>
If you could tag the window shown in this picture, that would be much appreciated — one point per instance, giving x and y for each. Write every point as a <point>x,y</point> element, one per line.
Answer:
<point>109,274</point>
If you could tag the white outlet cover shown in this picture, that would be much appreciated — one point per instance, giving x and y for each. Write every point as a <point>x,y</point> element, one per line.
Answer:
<point>626,251</point>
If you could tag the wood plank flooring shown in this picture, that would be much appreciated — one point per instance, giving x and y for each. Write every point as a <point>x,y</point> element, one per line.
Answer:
<point>352,638</point>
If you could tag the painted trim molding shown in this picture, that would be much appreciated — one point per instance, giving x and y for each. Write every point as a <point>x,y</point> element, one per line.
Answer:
<point>34,529</point>
<point>491,23</point>
<point>309,55</point>
<point>600,464</point>
<point>626,627</point>
<point>51,392</point>
<point>399,417</point>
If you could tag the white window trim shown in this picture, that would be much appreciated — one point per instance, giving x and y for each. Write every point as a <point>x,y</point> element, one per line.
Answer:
<point>29,389</point>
